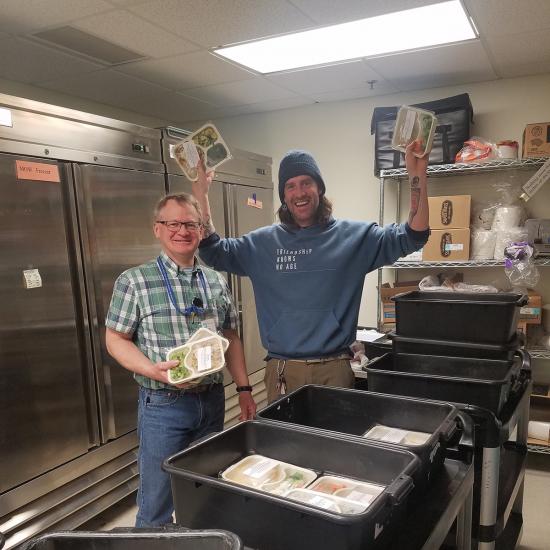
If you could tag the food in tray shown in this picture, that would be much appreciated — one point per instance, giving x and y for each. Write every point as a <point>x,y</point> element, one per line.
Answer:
<point>216,154</point>
<point>198,357</point>
<point>294,478</point>
<point>205,145</point>
<point>206,136</point>
<point>267,474</point>
<point>357,491</point>
<point>253,471</point>
<point>414,124</point>
<point>397,435</point>
<point>326,502</point>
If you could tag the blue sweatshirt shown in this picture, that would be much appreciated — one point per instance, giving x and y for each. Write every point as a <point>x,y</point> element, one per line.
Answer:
<point>308,282</point>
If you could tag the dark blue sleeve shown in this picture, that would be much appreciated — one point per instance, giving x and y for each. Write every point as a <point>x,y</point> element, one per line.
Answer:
<point>231,255</point>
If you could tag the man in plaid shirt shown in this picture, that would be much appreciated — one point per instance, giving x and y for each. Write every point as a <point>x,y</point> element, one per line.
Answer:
<point>157,306</point>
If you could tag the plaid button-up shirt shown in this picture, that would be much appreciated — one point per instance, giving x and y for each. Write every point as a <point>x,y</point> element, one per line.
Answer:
<point>141,306</point>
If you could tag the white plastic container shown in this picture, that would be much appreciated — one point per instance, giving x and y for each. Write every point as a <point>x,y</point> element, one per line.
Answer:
<point>198,358</point>
<point>396,435</point>
<point>414,124</point>
<point>204,144</point>
<point>267,474</point>
<point>330,503</point>
<point>360,492</point>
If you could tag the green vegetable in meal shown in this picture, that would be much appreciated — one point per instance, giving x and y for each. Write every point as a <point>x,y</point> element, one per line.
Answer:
<point>207,137</point>
<point>425,127</point>
<point>181,371</point>
<point>216,154</point>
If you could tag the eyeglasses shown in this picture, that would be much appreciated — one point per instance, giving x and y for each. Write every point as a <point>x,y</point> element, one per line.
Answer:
<point>175,225</point>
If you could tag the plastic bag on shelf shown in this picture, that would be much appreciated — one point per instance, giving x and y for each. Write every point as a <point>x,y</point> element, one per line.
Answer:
<point>483,244</point>
<point>432,283</point>
<point>506,237</point>
<point>477,149</point>
<point>519,265</point>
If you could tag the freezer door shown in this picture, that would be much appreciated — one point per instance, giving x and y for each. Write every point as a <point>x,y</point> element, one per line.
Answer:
<point>115,208</point>
<point>251,208</point>
<point>43,417</point>
<point>180,184</point>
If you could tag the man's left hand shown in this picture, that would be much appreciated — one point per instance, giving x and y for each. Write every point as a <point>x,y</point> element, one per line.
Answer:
<point>248,406</point>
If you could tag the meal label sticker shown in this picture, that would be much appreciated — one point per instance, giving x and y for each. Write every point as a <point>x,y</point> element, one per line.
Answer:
<point>37,171</point>
<point>31,278</point>
<point>191,153</point>
<point>204,357</point>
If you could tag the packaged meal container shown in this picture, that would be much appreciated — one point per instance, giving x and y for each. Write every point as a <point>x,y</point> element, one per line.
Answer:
<point>414,124</point>
<point>269,475</point>
<point>350,489</point>
<point>207,145</point>
<point>330,503</point>
<point>397,435</point>
<point>197,359</point>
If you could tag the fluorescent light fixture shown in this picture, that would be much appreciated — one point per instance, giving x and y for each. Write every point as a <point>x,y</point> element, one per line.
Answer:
<point>423,27</point>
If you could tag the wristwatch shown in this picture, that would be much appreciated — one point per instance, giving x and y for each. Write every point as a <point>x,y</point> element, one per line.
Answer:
<point>243,388</point>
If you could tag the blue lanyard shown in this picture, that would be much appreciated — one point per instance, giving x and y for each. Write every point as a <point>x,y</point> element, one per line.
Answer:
<point>190,310</point>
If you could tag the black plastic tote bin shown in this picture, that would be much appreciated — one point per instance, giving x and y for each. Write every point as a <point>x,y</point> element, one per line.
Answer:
<point>454,115</point>
<point>489,318</point>
<point>429,346</point>
<point>270,522</point>
<point>351,413</point>
<point>137,539</point>
<point>484,383</point>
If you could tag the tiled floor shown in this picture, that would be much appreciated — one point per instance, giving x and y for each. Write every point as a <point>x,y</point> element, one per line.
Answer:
<point>536,508</point>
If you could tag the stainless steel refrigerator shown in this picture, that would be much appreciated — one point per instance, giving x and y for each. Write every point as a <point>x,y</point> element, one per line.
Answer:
<point>77,193</point>
<point>241,199</point>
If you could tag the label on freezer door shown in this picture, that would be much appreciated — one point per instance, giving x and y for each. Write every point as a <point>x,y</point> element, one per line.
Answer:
<point>254,202</point>
<point>37,171</point>
<point>31,278</point>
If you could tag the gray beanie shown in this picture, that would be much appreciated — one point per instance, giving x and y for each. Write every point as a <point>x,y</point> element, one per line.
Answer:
<point>298,163</point>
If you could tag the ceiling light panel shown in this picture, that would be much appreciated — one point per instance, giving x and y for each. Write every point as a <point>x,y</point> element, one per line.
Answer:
<point>423,27</point>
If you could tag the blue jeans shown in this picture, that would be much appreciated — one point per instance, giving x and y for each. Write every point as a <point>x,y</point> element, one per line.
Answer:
<point>168,421</point>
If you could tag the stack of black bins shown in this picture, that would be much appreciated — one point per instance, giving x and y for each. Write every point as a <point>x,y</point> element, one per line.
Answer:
<point>202,499</point>
<point>463,348</point>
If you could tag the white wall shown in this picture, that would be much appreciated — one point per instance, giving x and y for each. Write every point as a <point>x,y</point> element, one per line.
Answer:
<point>338,135</point>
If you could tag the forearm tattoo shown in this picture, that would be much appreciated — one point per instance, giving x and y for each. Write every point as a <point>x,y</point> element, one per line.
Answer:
<point>415,197</point>
<point>209,228</point>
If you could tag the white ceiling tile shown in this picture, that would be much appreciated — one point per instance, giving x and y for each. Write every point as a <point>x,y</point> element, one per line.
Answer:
<point>273,105</point>
<point>125,3</point>
<point>132,32</point>
<point>501,17</point>
<point>344,76</point>
<point>214,23</point>
<point>105,86</point>
<point>244,92</point>
<point>529,53</point>
<point>327,12</point>
<point>187,71</point>
<point>24,16</point>
<point>432,68</point>
<point>379,88</point>
<point>25,61</point>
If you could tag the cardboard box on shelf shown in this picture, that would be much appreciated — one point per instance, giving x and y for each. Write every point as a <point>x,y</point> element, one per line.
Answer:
<point>522,327</point>
<point>531,313</point>
<point>447,245</point>
<point>536,140</point>
<point>386,293</point>
<point>450,211</point>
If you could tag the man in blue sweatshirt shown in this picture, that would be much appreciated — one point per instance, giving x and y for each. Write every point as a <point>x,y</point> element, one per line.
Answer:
<point>308,271</point>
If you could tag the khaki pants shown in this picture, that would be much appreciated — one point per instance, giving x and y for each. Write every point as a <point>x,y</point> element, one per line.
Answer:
<point>330,372</point>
